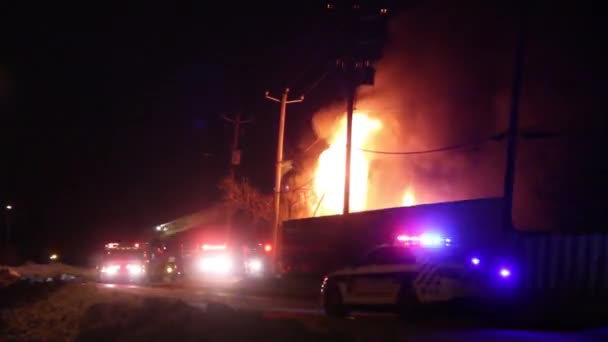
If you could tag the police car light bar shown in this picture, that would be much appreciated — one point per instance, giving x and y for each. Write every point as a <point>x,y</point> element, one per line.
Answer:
<point>425,240</point>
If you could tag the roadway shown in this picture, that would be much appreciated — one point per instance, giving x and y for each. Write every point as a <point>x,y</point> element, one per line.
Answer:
<point>364,326</point>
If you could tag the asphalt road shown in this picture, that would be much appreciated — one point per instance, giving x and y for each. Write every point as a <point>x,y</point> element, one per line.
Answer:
<point>364,326</point>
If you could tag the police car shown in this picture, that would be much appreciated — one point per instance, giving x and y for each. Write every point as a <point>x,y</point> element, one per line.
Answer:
<point>414,271</point>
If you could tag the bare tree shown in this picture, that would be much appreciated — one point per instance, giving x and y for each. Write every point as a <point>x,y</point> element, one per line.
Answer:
<point>246,198</point>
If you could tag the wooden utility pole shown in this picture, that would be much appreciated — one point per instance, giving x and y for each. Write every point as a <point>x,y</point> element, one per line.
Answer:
<point>235,159</point>
<point>277,179</point>
<point>513,132</point>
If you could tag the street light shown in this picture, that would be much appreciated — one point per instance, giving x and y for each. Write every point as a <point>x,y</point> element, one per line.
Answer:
<point>9,207</point>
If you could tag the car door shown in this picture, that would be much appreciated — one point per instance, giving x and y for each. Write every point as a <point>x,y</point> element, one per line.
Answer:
<point>378,280</point>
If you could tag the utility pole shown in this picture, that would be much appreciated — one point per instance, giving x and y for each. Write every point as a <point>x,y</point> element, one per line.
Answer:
<point>235,157</point>
<point>358,70</point>
<point>279,163</point>
<point>512,133</point>
<point>351,89</point>
<point>236,153</point>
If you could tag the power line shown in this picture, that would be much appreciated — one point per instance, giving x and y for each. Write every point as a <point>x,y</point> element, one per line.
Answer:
<point>317,82</point>
<point>495,137</point>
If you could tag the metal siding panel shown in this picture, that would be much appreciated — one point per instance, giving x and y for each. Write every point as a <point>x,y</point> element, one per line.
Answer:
<point>605,261</point>
<point>595,255</point>
<point>530,257</point>
<point>539,263</point>
<point>554,261</point>
<point>582,264</point>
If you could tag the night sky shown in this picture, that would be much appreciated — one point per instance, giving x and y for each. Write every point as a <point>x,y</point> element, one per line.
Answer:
<point>110,117</point>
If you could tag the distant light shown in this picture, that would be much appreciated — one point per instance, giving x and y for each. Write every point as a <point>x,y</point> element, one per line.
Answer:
<point>169,269</point>
<point>505,272</point>
<point>383,10</point>
<point>136,245</point>
<point>54,256</point>
<point>158,228</point>
<point>475,261</point>
<point>165,229</point>
<point>267,247</point>
<point>9,207</point>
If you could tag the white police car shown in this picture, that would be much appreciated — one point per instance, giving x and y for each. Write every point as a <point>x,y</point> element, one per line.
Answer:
<point>416,270</point>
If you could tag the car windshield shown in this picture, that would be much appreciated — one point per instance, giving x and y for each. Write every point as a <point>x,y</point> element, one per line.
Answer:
<point>390,255</point>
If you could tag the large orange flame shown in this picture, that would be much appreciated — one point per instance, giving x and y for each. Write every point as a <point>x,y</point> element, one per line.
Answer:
<point>329,174</point>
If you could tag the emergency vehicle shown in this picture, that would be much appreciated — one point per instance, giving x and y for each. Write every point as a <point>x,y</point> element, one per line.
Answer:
<point>225,260</point>
<point>414,271</point>
<point>124,263</point>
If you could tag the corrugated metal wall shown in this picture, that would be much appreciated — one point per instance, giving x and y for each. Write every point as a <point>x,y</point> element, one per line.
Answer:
<point>565,265</point>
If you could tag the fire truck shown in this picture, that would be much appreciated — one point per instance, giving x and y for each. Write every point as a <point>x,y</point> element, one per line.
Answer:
<point>137,263</point>
<point>215,260</point>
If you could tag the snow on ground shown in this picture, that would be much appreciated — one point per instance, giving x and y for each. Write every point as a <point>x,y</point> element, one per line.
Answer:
<point>55,270</point>
<point>83,312</point>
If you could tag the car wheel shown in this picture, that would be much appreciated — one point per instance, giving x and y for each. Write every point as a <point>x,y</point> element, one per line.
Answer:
<point>332,301</point>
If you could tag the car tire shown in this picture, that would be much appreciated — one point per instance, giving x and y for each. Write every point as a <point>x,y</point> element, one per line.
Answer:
<point>333,304</point>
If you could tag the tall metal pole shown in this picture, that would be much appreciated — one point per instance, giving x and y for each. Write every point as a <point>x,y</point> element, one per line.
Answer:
<point>509,181</point>
<point>276,238</point>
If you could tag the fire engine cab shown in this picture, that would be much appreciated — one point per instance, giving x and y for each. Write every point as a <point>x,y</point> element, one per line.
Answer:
<point>124,263</point>
<point>224,260</point>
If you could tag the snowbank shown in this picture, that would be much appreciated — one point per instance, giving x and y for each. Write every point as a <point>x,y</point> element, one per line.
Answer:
<point>83,312</point>
<point>55,270</point>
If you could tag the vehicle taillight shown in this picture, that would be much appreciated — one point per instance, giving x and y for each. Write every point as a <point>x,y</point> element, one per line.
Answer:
<point>267,247</point>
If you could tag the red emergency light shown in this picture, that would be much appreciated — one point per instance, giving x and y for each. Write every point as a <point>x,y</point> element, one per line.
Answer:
<point>267,247</point>
<point>136,245</point>
<point>207,247</point>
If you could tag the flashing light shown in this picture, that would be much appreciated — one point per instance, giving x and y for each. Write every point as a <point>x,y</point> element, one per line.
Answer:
<point>425,240</point>
<point>9,207</point>
<point>475,261</point>
<point>255,265</point>
<point>135,269</point>
<point>136,245</point>
<point>158,228</point>
<point>267,247</point>
<point>431,240</point>
<point>110,269</point>
<point>207,247</point>
<point>504,272</point>
<point>169,269</point>
<point>219,264</point>
<point>112,245</point>
<point>384,10</point>
<point>54,256</point>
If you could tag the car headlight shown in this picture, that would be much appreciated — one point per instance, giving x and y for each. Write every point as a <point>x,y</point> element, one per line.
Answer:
<point>216,264</point>
<point>135,269</point>
<point>255,265</point>
<point>110,269</point>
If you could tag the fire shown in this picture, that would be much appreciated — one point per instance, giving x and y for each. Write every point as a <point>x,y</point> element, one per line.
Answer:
<point>329,175</point>
<point>409,198</point>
